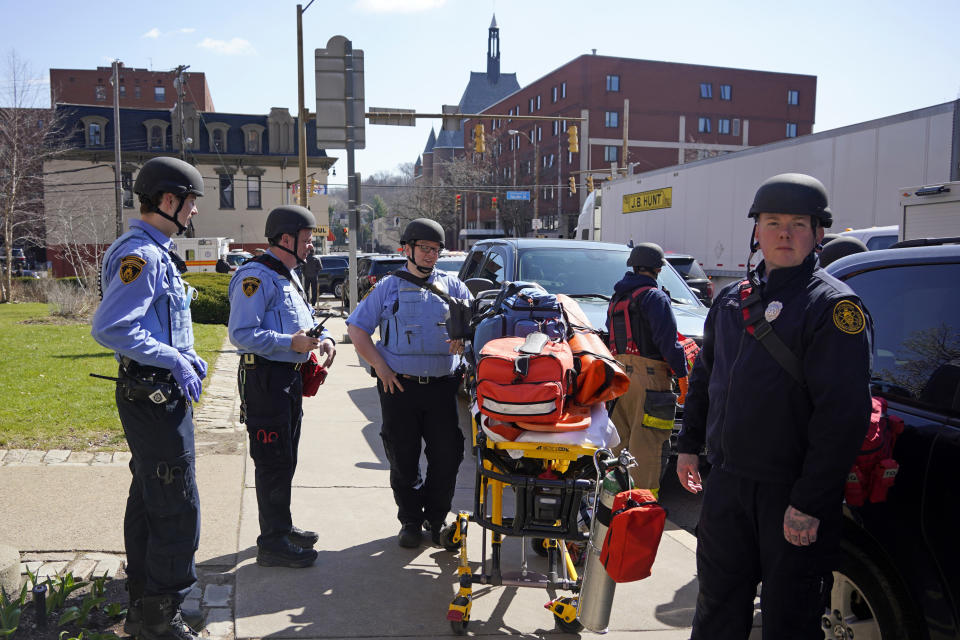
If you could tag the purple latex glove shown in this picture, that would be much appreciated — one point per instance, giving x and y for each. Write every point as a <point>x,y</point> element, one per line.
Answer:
<point>186,377</point>
<point>198,363</point>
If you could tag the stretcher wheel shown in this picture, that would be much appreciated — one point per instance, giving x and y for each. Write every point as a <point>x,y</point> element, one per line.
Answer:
<point>563,625</point>
<point>446,537</point>
<point>459,627</point>
<point>539,546</point>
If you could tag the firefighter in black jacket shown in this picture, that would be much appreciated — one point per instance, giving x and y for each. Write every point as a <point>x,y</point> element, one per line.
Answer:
<point>782,424</point>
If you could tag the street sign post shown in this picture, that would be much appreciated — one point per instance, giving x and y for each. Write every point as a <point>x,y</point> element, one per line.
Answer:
<point>518,195</point>
<point>332,98</point>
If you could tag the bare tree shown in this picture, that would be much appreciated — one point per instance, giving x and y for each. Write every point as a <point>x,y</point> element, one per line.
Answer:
<point>75,227</point>
<point>29,135</point>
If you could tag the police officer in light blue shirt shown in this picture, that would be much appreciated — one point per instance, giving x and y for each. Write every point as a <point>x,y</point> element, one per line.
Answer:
<point>417,378</point>
<point>272,326</point>
<point>144,317</point>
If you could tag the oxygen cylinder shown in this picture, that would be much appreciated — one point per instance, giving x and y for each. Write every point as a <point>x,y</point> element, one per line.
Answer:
<point>597,589</point>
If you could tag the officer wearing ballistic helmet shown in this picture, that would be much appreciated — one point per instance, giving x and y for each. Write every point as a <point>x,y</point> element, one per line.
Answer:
<point>417,377</point>
<point>643,338</point>
<point>144,317</point>
<point>272,326</point>
<point>841,247</point>
<point>780,395</point>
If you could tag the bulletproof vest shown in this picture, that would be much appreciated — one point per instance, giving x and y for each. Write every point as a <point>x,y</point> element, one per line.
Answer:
<point>168,319</point>
<point>629,329</point>
<point>415,333</point>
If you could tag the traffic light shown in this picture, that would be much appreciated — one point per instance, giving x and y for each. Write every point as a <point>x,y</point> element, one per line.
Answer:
<point>589,184</point>
<point>573,143</point>
<point>458,206</point>
<point>479,142</point>
<point>346,232</point>
<point>573,185</point>
<point>493,202</point>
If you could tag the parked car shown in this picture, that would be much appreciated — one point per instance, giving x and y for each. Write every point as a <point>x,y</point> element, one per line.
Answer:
<point>333,271</point>
<point>900,576</point>
<point>370,269</point>
<point>693,274</point>
<point>875,237</point>
<point>583,269</point>
<point>451,261</point>
<point>18,259</point>
<point>237,257</point>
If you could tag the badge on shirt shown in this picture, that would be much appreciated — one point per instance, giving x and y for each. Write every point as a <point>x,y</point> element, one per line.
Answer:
<point>250,286</point>
<point>130,268</point>
<point>772,312</point>
<point>848,317</point>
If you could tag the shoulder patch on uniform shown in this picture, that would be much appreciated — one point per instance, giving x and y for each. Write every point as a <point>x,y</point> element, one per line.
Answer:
<point>250,285</point>
<point>131,267</point>
<point>848,317</point>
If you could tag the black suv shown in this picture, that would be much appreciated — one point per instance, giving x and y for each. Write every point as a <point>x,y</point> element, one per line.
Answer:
<point>900,576</point>
<point>332,275</point>
<point>694,275</point>
<point>369,270</point>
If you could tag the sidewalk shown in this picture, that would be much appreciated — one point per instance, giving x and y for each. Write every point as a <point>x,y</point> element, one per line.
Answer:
<point>363,584</point>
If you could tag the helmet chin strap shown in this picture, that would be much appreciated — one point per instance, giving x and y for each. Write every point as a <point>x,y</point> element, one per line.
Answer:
<point>173,218</point>
<point>754,245</point>
<point>424,271</point>
<point>300,262</point>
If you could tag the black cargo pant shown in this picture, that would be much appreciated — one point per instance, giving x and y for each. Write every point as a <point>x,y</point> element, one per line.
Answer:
<point>271,396</point>
<point>161,525</point>
<point>739,544</point>
<point>425,412</point>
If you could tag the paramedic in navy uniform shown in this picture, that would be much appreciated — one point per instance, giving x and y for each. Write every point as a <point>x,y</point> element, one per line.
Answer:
<point>416,366</point>
<point>269,320</point>
<point>780,444</point>
<point>145,318</point>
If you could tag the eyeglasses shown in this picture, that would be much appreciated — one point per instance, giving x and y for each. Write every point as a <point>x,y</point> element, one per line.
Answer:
<point>428,250</point>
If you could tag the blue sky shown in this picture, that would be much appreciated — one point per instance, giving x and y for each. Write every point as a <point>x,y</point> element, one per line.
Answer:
<point>871,59</point>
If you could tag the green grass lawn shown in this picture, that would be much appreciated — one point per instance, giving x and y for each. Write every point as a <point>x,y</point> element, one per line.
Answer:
<point>47,398</point>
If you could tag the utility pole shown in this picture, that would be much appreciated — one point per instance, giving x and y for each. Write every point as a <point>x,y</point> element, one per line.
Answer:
<point>118,186</point>
<point>536,173</point>
<point>301,112</point>
<point>178,84</point>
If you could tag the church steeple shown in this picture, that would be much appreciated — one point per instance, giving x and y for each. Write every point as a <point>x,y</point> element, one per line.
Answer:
<point>493,52</point>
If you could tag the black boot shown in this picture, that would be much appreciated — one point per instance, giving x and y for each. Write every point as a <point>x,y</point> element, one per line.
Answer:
<point>162,620</point>
<point>283,553</point>
<point>302,538</point>
<point>131,625</point>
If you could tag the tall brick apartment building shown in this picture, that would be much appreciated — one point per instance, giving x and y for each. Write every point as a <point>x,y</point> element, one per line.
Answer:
<point>140,88</point>
<point>673,113</point>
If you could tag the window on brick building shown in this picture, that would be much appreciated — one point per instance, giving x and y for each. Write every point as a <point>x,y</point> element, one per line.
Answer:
<point>791,129</point>
<point>736,127</point>
<point>703,125</point>
<point>226,191</point>
<point>530,106</point>
<point>156,137</point>
<point>563,89</point>
<point>556,127</point>
<point>610,153</point>
<point>218,140</point>
<point>723,126</point>
<point>253,142</point>
<point>159,94</point>
<point>126,181</point>
<point>96,135</point>
<point>136,92</point>
<point>100,93</point>
<point>123,91</point>
<point>538,103</point>
<point>726,92</point>
<point>553,94</point>
<point>611,119</point>
<point>793,97</point>
<point>539,134</point>
<point>613,83</point>
<point>706,90</point>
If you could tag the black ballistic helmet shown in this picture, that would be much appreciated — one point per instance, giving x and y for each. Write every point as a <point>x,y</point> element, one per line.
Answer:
<point>289,218</point>
<point>167,175</point>
<point>793,193</point>
<point>646,255</point>
<point>840,247</point>
<point>423,229</point>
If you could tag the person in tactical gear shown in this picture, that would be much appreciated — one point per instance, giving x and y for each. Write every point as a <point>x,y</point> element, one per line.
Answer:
<point>418,374</point>
<point>643,337</point>
<point>144,317</point>
<point>780,395</point>
<point>271,323</point>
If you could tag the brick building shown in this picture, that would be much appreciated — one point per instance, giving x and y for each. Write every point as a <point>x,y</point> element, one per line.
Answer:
<point>662,113</point>
<point>140,88</point>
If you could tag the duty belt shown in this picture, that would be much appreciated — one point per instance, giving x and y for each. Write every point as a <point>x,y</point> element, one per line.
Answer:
<point>251,360</point>
<point>427,379</point>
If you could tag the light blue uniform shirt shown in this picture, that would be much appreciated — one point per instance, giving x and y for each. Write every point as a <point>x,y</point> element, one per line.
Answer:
<point>413,340</point>
<point>266,309</point>
<point>145,311</point>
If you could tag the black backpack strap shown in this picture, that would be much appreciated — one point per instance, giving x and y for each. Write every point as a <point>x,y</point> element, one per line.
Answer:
<point>422,282</point>
<point>757,326</point>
